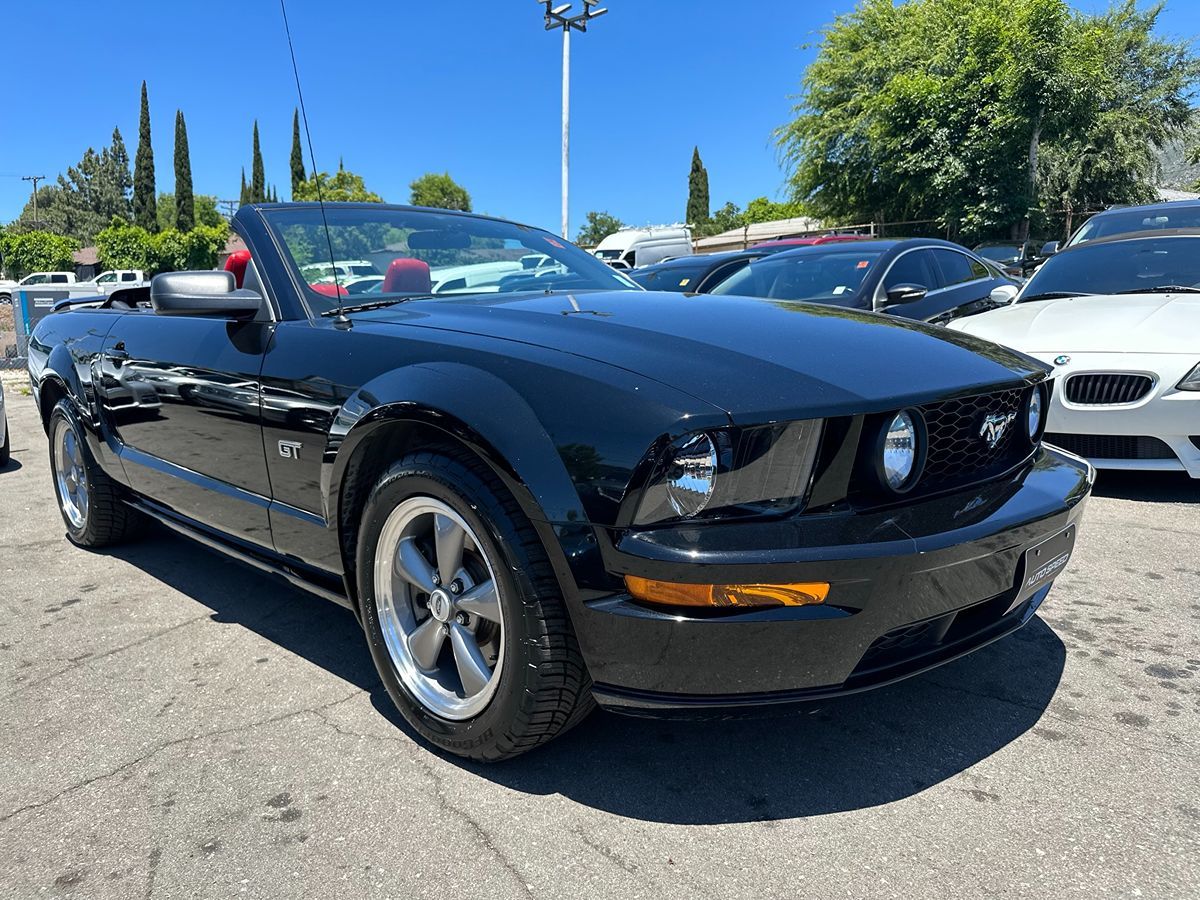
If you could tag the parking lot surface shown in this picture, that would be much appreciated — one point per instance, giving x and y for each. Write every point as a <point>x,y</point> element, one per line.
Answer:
<point>176,725</point>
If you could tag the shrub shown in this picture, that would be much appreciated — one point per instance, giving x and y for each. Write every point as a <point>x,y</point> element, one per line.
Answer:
<point>37,251</point>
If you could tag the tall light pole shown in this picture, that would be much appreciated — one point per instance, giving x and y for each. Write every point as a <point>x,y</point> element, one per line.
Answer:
<point>558,17</point>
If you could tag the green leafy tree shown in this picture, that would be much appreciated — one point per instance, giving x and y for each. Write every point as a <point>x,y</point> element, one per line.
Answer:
<point>342,186</point>
<point>258,179</point>
<point>1001,86</point>
<point>244,196</point>
<point>185,201</point>
<point>697,205</point>
<point>760,209</point>
<point>297,160</point>
<point>144,193</point>
<point>85,198</point>
<point>596,227</point>
<point>727,218</point>
<point>126,246</point>
<point>36,251</point>
<point>440,192</point>
<point>205,206</point>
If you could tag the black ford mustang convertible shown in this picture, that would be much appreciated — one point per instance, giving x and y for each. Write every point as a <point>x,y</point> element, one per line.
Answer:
<point>539,487</point>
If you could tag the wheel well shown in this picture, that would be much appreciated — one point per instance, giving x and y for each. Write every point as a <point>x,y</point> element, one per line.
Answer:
<point>379,450</point>
<point>51,391</point>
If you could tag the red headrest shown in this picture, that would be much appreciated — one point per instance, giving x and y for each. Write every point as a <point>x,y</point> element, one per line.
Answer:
<point>407,276</point>
<point>330,290</point>
<point>236,263</point>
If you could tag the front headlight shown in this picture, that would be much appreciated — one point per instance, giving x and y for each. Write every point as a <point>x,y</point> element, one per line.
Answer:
<point>1191,381</point>
<point>744,471</point>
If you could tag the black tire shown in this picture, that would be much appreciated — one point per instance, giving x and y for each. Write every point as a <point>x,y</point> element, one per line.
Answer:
<point>108,519</point>
<point>544,688</point>
<point>6,449</point>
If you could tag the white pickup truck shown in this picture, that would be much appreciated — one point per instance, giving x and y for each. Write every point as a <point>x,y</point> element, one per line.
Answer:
<point>104,283</point>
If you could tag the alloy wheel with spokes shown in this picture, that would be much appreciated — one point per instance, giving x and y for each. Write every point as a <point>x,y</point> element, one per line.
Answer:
<point>439,608</point>
<point>70,474</point>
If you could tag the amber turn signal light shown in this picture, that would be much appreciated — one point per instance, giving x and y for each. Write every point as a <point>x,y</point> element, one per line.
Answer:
<point>671,593</point>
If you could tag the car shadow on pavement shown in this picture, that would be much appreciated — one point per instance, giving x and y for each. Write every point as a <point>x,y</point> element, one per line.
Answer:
<point>825,757</point>
<point>1162,487</point>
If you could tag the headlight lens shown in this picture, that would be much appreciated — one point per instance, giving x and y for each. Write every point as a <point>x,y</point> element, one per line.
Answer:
<point>1191,381</point>
<point>737,471</point>
<point>692,475</point>
<point>1035,413</point>
<point>899,455</point>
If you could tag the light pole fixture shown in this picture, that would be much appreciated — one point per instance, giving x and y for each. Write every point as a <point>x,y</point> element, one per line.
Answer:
<point>558,16</point>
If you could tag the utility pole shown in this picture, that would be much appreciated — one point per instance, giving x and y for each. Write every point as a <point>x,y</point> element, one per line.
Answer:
<point>230,207</point>
<point>556,17</point>
<point>35,179</point>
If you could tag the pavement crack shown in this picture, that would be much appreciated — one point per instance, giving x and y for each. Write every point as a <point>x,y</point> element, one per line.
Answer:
<point>166,745</point>
<point>607,852</point>
<point>482,835</point>
<point>88,660</point>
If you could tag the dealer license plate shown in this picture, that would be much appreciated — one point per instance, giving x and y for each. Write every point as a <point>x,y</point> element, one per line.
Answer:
<point>1044,562</point>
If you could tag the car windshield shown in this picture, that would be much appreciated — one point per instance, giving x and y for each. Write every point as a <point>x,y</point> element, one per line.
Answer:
<point>817,275</point>
<point>1120,267</point>
<point>1006,253</point>
<point>1186,215</point>
<point>423,253</point>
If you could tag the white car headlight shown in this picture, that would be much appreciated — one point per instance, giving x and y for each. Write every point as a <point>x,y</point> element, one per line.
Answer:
<point>1191,381</point>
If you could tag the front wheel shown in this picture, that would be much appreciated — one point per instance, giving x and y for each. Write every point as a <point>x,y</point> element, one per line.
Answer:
<point>463,613</point>
<point>90,501</point>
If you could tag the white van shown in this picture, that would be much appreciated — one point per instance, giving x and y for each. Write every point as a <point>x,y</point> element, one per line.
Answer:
<point>636,247</point>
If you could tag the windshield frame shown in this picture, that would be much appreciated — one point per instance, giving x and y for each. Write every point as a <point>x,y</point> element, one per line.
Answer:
<point>531,239</point>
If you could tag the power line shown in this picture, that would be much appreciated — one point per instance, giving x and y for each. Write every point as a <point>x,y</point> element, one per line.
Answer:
<point>35,179</point>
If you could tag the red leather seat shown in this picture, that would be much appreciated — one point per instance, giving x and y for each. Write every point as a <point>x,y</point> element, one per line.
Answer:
<point>407,276</point>
<point>236,263</point>
<point>330,290</point>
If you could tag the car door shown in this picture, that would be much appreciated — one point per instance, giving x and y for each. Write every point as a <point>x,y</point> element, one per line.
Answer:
<point>968,285</point>
<point>181,397</point>
<point>916,267</point>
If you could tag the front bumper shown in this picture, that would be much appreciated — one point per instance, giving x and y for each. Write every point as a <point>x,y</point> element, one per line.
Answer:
<point>911,588</point>
<point>1166,413</point>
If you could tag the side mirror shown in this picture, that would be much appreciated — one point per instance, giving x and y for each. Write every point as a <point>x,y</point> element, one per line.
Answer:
<point>202,294</point>
<point>906,293</point>
<point>1004,294</point>
<point>1049,248</point>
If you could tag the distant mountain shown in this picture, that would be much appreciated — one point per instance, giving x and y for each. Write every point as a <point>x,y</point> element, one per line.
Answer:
<point>1177,172</point>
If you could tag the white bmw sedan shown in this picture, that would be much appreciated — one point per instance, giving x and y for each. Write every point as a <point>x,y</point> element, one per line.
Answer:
<point>1119,320</point>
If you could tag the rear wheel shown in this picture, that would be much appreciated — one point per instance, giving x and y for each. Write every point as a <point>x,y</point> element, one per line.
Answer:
<point>6,447</point>
<point>90,501</point>
<point>462,612</point>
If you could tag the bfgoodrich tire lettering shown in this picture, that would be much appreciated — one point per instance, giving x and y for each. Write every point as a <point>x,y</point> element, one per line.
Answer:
<point>542,687</point>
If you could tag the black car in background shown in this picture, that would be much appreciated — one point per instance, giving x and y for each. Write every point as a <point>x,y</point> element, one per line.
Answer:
<point>540,490</point>
<point>694,274</point>
<point>916,278</point>
<point>1013,257</point>
<point>1128,219</point>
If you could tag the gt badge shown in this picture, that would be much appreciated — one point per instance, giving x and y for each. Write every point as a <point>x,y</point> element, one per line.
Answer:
<point>1062,360</point>
<point>994,428</point>
<point>290,449</point>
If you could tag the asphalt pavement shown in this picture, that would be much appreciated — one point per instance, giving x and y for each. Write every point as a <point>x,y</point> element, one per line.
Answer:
<point>176,725</point>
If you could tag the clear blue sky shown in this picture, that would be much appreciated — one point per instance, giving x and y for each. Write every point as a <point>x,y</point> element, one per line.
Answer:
<point>401,88</point>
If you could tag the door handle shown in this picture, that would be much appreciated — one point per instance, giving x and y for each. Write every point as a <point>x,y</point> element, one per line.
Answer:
<point>117,355</point>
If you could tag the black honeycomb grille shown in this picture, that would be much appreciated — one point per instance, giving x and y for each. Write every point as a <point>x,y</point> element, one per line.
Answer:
<point>959,452</point>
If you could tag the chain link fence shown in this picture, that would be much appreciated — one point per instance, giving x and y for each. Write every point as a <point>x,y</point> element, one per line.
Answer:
<point>12,345</point>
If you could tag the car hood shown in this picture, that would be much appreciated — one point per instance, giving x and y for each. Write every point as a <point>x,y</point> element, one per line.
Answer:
<point>755,359</point>
<point>1130,323</point>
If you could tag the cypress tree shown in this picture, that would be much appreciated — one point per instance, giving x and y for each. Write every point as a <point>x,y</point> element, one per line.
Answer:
<point>258,186</point>
<point>297,154</point>
<point>697,205</point>
<point>185,200</point>
<point>244,196</point>
<point>145,196</point>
